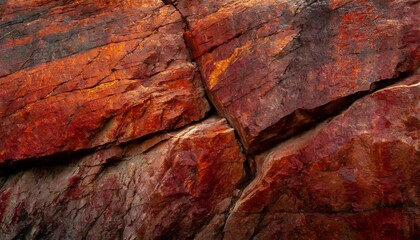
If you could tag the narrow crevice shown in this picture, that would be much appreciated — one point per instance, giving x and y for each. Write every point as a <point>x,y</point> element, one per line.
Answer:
<point>329,110</point>
<point>3,180</point>
<point>124,144</point>
<point>212,110</point>
<point>188,47</point>
<point>259,226</point>
<point>24,233</point>
<point>314,117</point>
<point>344,104</point>
<point>12,167</point>
<point>249,175</point>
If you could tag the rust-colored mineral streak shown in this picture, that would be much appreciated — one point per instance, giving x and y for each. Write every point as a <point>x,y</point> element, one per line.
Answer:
<point>210,119</point>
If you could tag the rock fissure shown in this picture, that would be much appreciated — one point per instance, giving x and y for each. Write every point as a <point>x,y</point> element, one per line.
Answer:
<point>108,123</point>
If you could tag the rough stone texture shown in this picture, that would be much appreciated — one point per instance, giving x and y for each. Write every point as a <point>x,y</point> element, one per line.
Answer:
<point>104,132</point>
<point>75,75</point>
<point>354,177</point>
<point>273,67</point>
<point>167,187</point>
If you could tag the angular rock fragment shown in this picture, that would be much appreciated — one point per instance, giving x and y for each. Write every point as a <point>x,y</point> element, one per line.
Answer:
<point>168,187</point>
<point>353,177</point>
<point>75,75</point>
<point>274,67</point>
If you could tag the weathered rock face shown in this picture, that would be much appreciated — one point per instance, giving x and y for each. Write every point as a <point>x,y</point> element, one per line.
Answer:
<point>105,131</point>
<point>78,75</point>
<point>344,173</point>
<point>169,186</point>
<point>272,67</point>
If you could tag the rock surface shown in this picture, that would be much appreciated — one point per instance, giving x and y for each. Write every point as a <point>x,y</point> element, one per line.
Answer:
<point>167,187</point>
<point>273,67</point>
<point>344,173</point>
<point>79,75</point>
<point>106,131</point>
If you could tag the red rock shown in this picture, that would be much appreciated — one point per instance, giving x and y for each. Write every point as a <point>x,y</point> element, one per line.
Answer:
<point>168,186</point>
<point>102,119</point>
<point>355,176</point>
<point>381,224</point>
<point>274,67</point>
<point>75,75</point>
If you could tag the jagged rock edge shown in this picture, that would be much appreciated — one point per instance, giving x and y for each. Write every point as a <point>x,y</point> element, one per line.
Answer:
<point>348,101</point>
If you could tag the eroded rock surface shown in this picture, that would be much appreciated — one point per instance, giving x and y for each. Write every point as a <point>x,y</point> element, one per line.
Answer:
<point>165,188</point>
<point>272,67</point>
<point>105,131</point>
<point>75,75</point>
<point>354,177</point>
